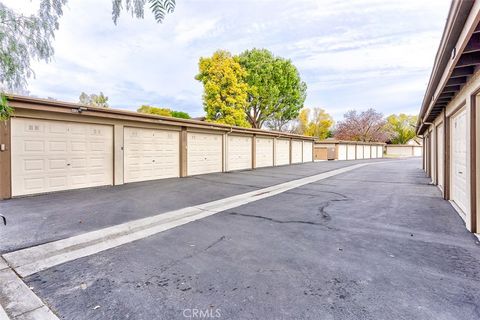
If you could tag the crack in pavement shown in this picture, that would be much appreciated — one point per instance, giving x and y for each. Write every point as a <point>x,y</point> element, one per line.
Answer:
<point>282,221</point>
<point>215,243</point>
<point>316,195</point>
<point>324,205</point>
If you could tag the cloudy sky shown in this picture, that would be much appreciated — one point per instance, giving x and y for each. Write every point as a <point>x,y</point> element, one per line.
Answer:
<point>352,54</point>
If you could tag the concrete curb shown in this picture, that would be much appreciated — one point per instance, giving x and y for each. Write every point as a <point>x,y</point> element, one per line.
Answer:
<point>18,301</point>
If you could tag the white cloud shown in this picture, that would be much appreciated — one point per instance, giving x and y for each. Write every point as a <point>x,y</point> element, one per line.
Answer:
<point>188,31</point>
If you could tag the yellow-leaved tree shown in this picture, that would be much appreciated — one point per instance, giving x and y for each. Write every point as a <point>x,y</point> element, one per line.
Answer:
<point>225,91</point>
<point>315,124</point>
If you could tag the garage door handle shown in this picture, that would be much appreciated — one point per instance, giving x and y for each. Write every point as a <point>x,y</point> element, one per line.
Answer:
<point>68,164</point>
<point>460,172</point>
<point>153,160</point>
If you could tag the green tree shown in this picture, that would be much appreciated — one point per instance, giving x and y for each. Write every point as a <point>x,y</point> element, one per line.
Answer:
<point>276,92</point>
<point>225,91</point>
<point>402,127</point>
<point>165,112</point>
<point>180,114</point>
<point>26,38</point>
<point>5,110</point>
<point>94,100</point>
<point>316,125</point>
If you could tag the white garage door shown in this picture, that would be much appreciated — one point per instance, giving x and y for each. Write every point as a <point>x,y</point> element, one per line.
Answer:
<point>297,152</point>
<point>359,152</point>
<point>57,155</point>
<point>379,152</point>
<point>366,152</point>
<point>307,151</point>
<point>351,152</point>
<point>282,152</point>
<point>459,160</point>
<point>417,151</point>
<point>204,154</point>
<point>263,152</point>
<point>239,152</point>
<point>151,154</point>
<point>342,152</point>
<point>373,152</point>
<point>432,158</point>
<point>440,154</point>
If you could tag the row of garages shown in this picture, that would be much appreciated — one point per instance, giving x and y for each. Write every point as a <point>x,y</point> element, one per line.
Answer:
<point>347,150</point>
<point>51,146</point>
<point>449,121</point>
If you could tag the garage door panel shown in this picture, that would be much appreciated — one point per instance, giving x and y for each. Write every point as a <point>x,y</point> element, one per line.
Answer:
<point>239,152</point>
<point>459,160</point>
<point>57,128</point>
<point>307,151</point>
<point>54,183</point>
<point>440,154</point>
<point>373,152</point>
<point>342,152</point>
<point>77,129</point>
<point>282,152</point>
<point>360,152</point>
<point>78,163</point>
<point>151,154</point>
<point>350,152</point>
<point>33,184</point>
<point>204,153</point>
<point>366,152</point>
<point>379,152</point>
<point>33,146</point>
<point>57,146</point>
<point>50,155</point>
<point>297,151</point>
<point>80,146</point>
<point>34,165</point>
<point>264,152</point>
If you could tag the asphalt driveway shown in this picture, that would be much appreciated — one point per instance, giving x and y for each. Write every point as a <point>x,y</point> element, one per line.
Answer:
<point>44,218</point>
<point>377,242</point>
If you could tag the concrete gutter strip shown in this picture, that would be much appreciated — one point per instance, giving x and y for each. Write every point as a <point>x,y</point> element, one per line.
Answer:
<point>32,260</point>
<point>3,314</point>
<point>18,301</point>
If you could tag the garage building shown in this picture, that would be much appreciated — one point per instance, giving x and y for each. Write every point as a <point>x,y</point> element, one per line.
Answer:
<point>49,146</point>
<point>332,149</point>
<point>449,119</point>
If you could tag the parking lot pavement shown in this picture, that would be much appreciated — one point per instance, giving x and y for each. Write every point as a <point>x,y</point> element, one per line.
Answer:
<point>44,218</point>
<point>377,242</point>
